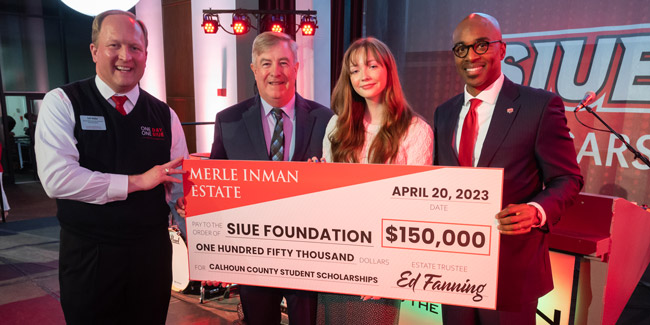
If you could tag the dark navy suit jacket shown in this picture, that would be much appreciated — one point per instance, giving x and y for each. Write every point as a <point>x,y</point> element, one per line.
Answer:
<point>238,132</point>
<point>238,135</point>
<point>528,137</point>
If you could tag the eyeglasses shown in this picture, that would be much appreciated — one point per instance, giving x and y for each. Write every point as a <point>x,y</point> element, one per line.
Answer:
<point>481,47</point>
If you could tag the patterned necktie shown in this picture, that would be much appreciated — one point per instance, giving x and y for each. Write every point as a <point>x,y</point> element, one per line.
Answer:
<point>119,103</point>
<point>277,141</point>
<point>468,135</point>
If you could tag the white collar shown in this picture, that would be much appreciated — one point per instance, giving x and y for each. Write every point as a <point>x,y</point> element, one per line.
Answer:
<point>107,92</point>
<point>288,109</point>
<point>490,94</point>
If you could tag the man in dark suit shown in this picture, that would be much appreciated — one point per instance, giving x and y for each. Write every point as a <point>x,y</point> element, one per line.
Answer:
<point>496,123</point>
<point>250,129</point>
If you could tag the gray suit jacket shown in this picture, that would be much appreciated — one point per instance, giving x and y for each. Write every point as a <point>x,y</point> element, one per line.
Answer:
<point>238,132</point>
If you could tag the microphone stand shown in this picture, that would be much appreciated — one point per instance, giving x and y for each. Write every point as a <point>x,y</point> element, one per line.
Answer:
<point>637,154</point>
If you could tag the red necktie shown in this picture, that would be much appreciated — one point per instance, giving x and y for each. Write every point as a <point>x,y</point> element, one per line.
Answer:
<point>119,103</point>
<point>468,135</point>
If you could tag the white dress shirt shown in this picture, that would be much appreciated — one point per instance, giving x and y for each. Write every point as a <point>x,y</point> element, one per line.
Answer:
<point>484,113</point>
<point>415,147</point>
<point>58,158</point>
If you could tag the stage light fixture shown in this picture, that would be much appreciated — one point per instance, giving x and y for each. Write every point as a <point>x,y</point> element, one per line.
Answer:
<point>241,24</point>
<point>265,20</point>
<point>308,25</point>
<point>210,25</point>
<point>276,24</point>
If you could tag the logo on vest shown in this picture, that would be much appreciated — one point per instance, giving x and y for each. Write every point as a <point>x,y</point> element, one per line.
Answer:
<point>152,133</point>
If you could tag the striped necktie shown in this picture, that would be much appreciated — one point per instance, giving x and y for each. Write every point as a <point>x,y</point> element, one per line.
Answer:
<point>276,152</point>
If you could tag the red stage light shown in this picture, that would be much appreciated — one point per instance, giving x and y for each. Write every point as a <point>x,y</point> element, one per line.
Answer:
<point>239,28</point>
<point>210,26</point>
<point>308,25</point>
<point>276,23</point>
<point>241,24</point>
<point>277,28</point>
<point>307,29</point>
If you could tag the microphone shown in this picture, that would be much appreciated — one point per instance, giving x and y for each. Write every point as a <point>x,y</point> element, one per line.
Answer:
<point>589,98</point>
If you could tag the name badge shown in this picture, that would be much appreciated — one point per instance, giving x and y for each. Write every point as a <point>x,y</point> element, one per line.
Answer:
<point>96,123</point>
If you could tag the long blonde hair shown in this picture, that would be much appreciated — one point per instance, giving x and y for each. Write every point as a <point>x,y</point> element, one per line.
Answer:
<point>348,138</point>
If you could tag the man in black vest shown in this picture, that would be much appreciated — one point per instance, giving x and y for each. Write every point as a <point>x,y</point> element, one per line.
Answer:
<point>103,148</point>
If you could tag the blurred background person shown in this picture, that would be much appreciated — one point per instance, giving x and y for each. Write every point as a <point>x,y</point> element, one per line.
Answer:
<point>5,202</point>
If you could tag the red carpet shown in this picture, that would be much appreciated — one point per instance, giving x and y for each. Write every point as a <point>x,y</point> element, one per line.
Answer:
<point>44,310</point>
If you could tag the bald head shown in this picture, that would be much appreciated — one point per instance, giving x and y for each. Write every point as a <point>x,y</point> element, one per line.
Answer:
<point>483,21</point>
<point>479,15</point>
<point>479,70</point>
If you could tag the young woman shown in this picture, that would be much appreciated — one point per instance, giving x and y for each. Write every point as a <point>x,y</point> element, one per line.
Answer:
<point>373,124</point>
<point>373,121</point>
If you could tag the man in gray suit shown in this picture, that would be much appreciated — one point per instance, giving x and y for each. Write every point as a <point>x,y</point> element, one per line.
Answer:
<point>248,130</point>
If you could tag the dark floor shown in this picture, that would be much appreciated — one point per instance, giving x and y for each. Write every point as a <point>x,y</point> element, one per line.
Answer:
<point>29,288</point>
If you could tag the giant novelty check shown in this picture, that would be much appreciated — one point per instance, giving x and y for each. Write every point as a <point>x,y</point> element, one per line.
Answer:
<point>405,232</point>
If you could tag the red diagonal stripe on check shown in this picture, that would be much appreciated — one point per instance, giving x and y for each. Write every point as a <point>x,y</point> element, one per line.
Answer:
<point>212,185</point>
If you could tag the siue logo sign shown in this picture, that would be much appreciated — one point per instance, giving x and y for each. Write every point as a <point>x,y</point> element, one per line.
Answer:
<point>613,62</point>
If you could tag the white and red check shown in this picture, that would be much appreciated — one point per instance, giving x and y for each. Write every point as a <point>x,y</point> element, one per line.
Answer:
<point>405,232</point>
